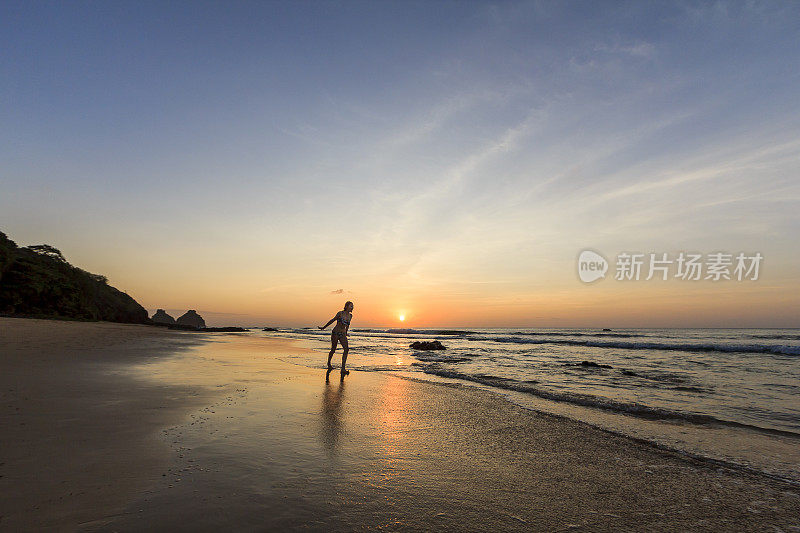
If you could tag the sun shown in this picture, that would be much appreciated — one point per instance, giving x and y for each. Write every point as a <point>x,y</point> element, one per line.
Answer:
<point>401,317</point>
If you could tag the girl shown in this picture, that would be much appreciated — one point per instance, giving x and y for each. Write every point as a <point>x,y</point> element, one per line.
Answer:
<point>339,333</point>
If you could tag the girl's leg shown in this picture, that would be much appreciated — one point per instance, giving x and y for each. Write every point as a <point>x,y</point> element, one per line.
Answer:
<point>346,347</point>
<point>334,340</point>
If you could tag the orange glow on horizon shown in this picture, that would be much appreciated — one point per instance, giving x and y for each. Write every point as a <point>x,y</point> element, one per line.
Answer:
<point>609,305</point>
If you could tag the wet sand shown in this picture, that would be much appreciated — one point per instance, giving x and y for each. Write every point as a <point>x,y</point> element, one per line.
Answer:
<point>79,438</point>
<point>231,435</point>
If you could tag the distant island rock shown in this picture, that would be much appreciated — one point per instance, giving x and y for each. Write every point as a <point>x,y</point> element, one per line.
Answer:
<point>37,281</point>
<point>270,329</point>
<point>427,345</point>
<point>161,317</point>
<point>191,321</point>
<point>191,318</point>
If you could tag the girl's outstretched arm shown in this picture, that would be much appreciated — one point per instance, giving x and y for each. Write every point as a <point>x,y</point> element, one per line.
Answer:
<point>331,321</point>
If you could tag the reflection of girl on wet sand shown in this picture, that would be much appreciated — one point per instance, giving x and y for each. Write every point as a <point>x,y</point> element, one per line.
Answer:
<point>331,413</point>
<point>339,333</point>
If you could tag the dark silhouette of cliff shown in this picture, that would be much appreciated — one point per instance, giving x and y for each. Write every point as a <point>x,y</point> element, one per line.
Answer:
<point>161,317</point>
<point>37,281</point>
<point>192,319</point>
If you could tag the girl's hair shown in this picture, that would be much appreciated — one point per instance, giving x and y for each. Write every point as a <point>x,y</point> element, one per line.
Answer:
<point>348,302</point>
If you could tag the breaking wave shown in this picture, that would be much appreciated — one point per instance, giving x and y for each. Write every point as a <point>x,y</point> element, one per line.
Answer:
<point>585,400</point>
<point>632,345</point>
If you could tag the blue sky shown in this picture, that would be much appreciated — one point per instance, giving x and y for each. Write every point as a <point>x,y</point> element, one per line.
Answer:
<point>251,157</point>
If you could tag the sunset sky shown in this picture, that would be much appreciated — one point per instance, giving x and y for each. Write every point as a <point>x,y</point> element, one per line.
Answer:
<point>264,162</point>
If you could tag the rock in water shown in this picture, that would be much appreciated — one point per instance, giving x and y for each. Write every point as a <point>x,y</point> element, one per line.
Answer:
<point>191,318</point>
<point>592,364</point>
<point>427,345</point>
<point>161,317</point>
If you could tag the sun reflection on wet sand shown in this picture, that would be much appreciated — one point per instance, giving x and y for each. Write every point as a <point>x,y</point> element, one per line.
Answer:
<point>394,405</point>
<point>393,423</point>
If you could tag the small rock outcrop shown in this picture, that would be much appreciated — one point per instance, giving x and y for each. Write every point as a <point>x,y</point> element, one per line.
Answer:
<point>191,318</point>
<point>427,345</point>
<point>592,364</point>
<point>161,317</point>
<point>270,329</point>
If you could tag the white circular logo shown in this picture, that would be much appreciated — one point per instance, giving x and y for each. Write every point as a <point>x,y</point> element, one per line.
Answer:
<point>591,266</point>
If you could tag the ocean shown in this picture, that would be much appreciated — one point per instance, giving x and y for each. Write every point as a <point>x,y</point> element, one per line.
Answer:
<point>726,395</point>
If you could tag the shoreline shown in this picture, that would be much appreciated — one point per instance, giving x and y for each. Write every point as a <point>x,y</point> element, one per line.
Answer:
<point>702,460</point>
<point>573,412</point>
<point>248,438</point>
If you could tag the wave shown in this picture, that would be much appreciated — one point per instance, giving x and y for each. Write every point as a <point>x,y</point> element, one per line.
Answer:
<point>406,331</point>
<point>682,347</point>
<point>667,377</point>
<point>596,340</point>
<point>585,400</point>
<point>778,336</point>
<point>577,334</point>
<point>438,357</point>
<point>462,332</point>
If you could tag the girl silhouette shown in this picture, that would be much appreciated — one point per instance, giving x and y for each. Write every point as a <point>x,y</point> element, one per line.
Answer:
<point>339,333</point>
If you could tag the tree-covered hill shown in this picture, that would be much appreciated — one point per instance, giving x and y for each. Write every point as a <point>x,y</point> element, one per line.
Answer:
<point>37,281</point>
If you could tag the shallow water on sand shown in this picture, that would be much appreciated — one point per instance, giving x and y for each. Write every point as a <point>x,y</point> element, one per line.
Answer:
<point>726,394</point>
<point>286,447</point>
